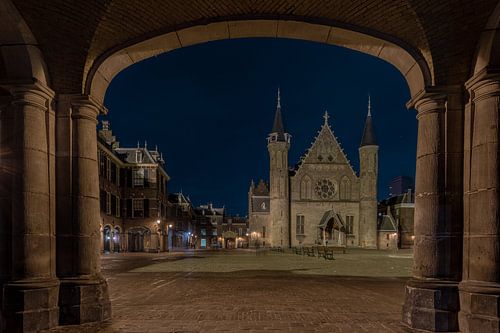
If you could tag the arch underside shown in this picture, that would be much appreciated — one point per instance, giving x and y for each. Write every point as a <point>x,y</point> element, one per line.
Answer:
<point>411,66</point>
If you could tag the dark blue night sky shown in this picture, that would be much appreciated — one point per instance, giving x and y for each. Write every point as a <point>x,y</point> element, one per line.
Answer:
<point>209,109</point>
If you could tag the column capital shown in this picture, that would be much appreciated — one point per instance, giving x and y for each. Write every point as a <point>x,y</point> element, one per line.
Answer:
<point>83,106</point>
<point>35,94</point>
<point>433,93</point>
<point>484,85</point>
<point>79,100</point>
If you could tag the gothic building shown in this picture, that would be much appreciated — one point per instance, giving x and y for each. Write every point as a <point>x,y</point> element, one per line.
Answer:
<point>320,201</point>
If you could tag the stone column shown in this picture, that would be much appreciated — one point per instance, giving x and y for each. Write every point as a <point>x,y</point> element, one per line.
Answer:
<point>30,294</point>
<point>83,296</point>
<point>480,287</point>
<point>6,169</point>
<point>431,301</point>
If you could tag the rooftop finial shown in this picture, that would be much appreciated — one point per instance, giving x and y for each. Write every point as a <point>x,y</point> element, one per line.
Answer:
<point>369,106</point>
<point>326,117</point>
<point>138,144</point>
<point>279,98</point>
<point>105,125</point>
<point>145,144</point>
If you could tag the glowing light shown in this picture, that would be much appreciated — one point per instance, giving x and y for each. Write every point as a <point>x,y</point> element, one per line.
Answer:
<point>158,221</point>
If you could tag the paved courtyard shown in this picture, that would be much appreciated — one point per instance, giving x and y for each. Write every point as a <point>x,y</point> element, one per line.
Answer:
<point>239,291</point>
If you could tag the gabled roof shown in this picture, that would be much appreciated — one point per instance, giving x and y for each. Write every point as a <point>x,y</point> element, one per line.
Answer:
<point>262,189</point>
<point>324,149</point>
<point>387,224</point>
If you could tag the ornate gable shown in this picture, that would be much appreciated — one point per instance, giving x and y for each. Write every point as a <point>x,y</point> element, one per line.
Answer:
<point>325,149</point>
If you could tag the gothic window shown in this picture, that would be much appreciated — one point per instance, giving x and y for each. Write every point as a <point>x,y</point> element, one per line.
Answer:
<point>345,189</point>
<point>305,188</point>
<point>325,189</point>
<point>279,159</point>
<point>300,225</point>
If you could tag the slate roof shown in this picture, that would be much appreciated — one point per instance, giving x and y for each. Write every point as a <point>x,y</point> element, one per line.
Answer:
<point>387,224</point>
<point>278,127</point>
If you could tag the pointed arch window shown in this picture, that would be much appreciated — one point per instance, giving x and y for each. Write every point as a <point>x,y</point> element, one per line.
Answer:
<point>305,188</point>
<point>345,189</point>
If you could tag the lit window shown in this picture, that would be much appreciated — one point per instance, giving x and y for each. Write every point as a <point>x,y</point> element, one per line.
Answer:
<point>138,177</point>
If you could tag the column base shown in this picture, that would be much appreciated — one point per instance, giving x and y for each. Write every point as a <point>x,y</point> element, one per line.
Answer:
<point>30,306</point>
<point>83,301</point>
<point>431,305</point>
<point>480,307</point>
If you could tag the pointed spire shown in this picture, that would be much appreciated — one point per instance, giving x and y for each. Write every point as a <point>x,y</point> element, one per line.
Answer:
<point>138,144</point>
<point>278,127</point>
<point>279,99</point>
<point>145,144</point>
<point>369,106</point>
<point>369,138</point>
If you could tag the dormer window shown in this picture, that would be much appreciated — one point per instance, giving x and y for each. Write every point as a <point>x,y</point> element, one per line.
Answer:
<point>138,157</point>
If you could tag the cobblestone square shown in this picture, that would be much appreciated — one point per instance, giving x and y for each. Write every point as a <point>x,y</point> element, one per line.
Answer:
<point>239,291</point>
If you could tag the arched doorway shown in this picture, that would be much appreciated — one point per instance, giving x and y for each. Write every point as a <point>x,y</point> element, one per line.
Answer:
<point>229,240</point>
<point>138,239</point>
<point>107,236</point>
<point>331,230</point>
<point>117,239</point>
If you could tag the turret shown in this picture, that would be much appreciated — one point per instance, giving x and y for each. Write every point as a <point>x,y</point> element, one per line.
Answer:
<point>250,193</point>
<point>368,162</point>
<point>278,144</point>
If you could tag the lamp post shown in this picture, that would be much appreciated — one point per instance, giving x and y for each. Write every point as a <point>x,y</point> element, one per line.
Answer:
<point>170,243</point>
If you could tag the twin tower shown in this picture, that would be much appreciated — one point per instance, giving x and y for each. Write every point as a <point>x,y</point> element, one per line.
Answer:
<point>320,201</point>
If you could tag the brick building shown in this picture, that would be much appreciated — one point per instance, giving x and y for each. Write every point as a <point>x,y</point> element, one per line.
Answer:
<point>133,196</point>
<point>396,221</point>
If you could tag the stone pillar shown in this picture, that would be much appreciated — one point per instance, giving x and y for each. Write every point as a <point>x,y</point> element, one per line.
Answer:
<point>83,296</point>
<point>6,169</point>
<point>432,301</point>
<point>480,287</point>
<point>30,294</point>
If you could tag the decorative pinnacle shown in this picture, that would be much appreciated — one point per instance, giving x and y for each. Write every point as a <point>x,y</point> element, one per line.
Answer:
<point>369,106</point>
<point>279,98</point>
<point>145,144</point>
<point>138,144</point>
<point>326,117</point>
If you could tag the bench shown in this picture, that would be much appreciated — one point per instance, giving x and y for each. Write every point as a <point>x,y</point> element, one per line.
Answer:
<point>328,254</point>
<point>321,251</point>
<point>310,251</point>
<point>339,249</point>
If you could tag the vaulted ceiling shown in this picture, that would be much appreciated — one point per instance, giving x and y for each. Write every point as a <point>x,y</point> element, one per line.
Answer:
<point>73,34</point>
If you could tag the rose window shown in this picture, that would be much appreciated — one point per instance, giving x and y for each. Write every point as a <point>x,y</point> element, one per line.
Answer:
<point>325,189</point>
